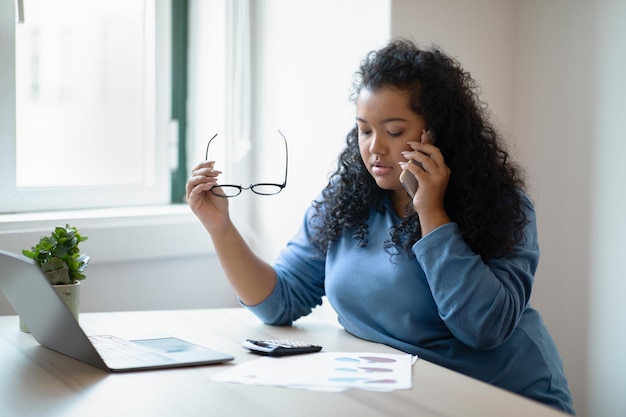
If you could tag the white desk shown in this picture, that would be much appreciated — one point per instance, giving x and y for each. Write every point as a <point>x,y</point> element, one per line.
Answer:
<point>35,381</point>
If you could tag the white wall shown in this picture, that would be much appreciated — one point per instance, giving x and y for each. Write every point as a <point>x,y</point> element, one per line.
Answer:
<point>155,284</point>
<point>159,284</point>
<point>607,147</point>
<point>553,128</point>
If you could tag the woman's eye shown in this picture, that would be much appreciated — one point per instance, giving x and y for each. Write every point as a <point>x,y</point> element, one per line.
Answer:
<point>364,132</point>
<point>395,134</point>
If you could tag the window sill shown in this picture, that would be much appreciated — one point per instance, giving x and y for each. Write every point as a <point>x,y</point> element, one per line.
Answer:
<point>117,234</point>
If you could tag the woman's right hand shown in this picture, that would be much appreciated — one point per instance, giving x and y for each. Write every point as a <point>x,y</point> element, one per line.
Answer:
<point>209,208</point>
<point>252,278</point>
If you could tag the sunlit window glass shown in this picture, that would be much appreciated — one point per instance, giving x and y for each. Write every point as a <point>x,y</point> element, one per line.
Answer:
<point>84,93</point>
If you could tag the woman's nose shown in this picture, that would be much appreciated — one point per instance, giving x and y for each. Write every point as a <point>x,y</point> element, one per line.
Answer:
<point>377,145</point>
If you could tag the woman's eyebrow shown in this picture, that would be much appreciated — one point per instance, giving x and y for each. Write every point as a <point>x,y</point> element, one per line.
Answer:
<point>394,119</point>
<point>388,120</point>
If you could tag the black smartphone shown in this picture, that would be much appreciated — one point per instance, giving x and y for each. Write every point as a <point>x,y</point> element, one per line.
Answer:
<point>279,347</point>
<point>407,179</point>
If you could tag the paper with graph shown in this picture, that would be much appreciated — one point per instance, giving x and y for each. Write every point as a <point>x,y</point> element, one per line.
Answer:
<point>326,371</point>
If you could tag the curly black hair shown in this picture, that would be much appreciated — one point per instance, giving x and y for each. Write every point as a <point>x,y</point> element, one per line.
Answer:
<point>484,193</point>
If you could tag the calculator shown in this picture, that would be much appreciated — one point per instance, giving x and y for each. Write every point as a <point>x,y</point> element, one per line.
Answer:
<point>279,347</point>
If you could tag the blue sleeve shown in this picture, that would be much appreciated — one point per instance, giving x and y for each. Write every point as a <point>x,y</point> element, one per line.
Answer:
<point>481,303</point>
<point>300,273</point>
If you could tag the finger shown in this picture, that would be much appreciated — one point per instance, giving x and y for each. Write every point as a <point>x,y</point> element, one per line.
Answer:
<point>206,172</point>
<point>201,192</point>
<point>431,151</point>
<point>425,148</point>
<point>205,183</point>
<point>204,164</point>
<point>200,189</point>
<point>428,136</point>
<point>194,193</point>
<point>416,158</point>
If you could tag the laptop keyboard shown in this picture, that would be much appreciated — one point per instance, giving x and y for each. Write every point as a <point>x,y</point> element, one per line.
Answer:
<point>118,352</point>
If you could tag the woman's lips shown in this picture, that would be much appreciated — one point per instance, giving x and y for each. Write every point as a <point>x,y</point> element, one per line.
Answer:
<point>381,169</point>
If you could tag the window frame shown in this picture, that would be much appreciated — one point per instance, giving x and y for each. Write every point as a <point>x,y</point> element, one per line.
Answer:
<point>15,200</point>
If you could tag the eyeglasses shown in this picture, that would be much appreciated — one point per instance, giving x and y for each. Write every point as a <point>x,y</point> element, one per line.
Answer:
<point>261,188</point>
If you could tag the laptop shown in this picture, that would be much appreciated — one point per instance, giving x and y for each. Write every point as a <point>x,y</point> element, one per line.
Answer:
<point>53,326</point>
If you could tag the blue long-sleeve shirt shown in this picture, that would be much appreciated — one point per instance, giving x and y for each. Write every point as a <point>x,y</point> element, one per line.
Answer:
<point>445,305</point>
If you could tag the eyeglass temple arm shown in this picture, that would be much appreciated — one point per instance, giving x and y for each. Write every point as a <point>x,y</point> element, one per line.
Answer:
<point>206,154</point>
<point>286,156</point>
<point>286,153</point>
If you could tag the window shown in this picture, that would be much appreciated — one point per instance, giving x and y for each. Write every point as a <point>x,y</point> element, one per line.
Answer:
<point>87,109</point>
<point>122,234</point>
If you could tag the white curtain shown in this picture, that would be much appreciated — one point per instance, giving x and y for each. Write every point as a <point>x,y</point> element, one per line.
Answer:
<point>219,84</point>
<point>238,100</point>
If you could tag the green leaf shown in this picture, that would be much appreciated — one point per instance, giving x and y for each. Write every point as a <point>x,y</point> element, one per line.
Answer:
<point>59,251</point>
<point>77,276</point>
<point>59,276</point>
<point>53,264</point>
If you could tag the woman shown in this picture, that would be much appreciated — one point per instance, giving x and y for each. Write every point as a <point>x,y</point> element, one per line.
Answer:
<point>446,274</point>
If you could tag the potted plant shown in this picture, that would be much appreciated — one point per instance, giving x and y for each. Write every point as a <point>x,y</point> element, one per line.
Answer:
<point>59,257</point>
